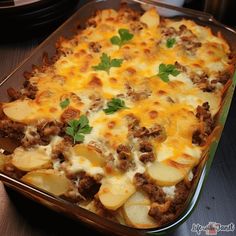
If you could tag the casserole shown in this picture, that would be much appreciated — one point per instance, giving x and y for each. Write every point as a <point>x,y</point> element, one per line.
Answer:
<point>140,231</point>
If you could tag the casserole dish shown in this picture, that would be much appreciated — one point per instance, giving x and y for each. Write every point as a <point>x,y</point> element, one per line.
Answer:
<point>196,187</point>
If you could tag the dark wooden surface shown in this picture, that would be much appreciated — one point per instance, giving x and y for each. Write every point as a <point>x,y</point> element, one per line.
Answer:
<point>21,217</point>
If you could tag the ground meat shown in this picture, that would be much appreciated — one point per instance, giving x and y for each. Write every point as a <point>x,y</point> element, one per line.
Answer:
<point>147,157</point>
<point>203,82</point>
<point>171,208</point>
<point>11,129</point>
<point>141,132</point>
<point>169,32</point>
<point>159,216</point>
<point>88,186</point>
<point>13,94</point>
<point>109,166</point>
<point>155,212</point>
<point>124,157</point>
<point>199,79</point>
<point>189,40</point>
<point>137,26</point>
<point>133,122</point>
<point>181,194</point>
<point>154,192</point>
<point>199,136</point>
<point>42,133</point>
<point>189,44</point>
<point>157,131</point>
<point>145,146</point>
<point>46,129</point>
<point>96,103</point>
<point>91,23</point>
<point>95,47</point>
<point>69,114</point>
<point>208,88</point>
<point>137,95</point>
<point>223,77</point>
<point>203,112</point>
<point>59,151</point>
<point>180,67</point>
<point>182,28</point>
<point>136,131</point>
<point>30,140</point>
<point>161,209</point>
<point>29,90</point>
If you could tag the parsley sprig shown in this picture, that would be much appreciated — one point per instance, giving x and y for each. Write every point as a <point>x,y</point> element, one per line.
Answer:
<point>166,70</point>
<point>170,42</point>
<point>114,105</point>
<point>106,63</point>
<point>124,37</point>
<point>78,128</point>
<point>65,103</point>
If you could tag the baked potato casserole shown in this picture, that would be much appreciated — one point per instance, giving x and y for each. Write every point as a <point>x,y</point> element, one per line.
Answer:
<point>119,119</point>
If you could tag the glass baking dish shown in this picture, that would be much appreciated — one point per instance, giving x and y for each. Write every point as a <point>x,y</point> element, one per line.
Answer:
<point>16,78</point>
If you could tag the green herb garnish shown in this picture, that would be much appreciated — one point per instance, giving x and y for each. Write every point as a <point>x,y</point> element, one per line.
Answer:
<point>65,103</point>
<point>124,37</point>
<point>114,105</point>
<point>106,63</point>
<point>166,70</point>
<point>170,42</point>
<point>77,128</point>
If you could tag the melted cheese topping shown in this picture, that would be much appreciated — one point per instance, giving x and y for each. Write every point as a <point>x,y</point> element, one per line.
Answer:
<point>173,104</point>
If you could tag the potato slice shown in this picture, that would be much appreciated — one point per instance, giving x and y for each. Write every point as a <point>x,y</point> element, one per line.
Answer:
<point>49,180</point>
<point>137,216</point>
<point>151,18</point>
<point>188,160</point>
<point>166,173</point>
<point>20,110</point>
<point>108,14</point>
<point>90,153</point>
<point>135,211</point>
<point>138,198</point>
<point>31,159</point>
<point>115,191</point>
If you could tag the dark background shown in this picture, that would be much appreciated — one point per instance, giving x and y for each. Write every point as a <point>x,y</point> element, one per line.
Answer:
<point>217,202</point>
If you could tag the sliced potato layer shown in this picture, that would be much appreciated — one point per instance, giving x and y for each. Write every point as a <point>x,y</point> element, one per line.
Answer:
<point>115,191</point>
<point>49,180</point>
<point>20,110</point>
<point>167,174</point>
<point>187,160</point>
<point>136,209</point>
<point>30,159</point>
<point>90,153</point>
<point>151,18</point>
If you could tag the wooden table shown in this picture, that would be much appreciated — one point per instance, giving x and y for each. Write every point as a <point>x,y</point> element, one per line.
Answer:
<point>22,217</point>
